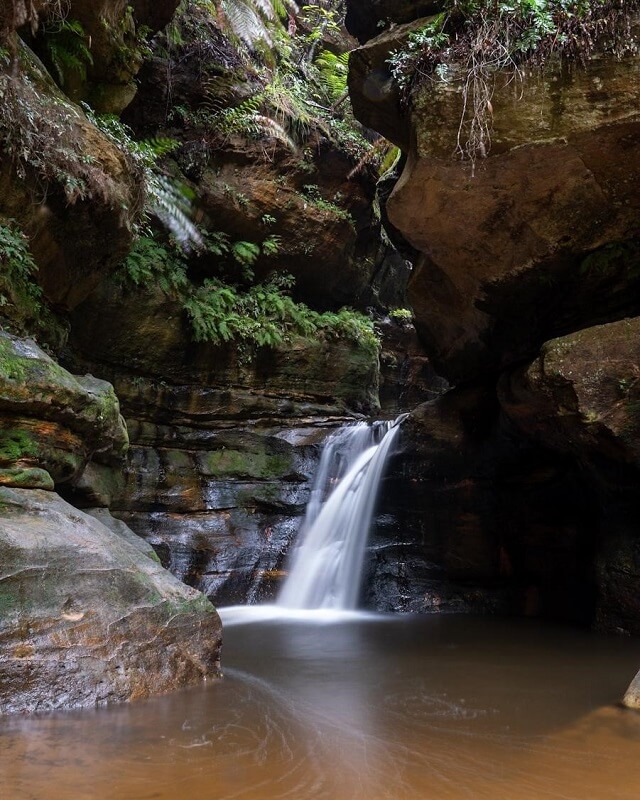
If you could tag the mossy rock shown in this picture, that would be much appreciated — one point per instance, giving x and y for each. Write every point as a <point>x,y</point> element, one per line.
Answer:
<point>26,478</point>
<point>52,420</point>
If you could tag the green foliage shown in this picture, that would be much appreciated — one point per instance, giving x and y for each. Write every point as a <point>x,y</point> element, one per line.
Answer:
<point>16,444</point>
<point>250,19</point>
<point>15,257</point>
<point>248,120</point>
<point>151,263</point>
<point>311,194</point>
<point>483,37</point>
<point>167,199</point>
<point>401,315</point>
<point>266,316</point>
<point>250,316</point>
<point>302,95</point>
<point>17,267</point>
<point>333,70</point>
<point>66,48</point>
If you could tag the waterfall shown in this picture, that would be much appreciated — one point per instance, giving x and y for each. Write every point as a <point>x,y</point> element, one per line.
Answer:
<point>326,566</point>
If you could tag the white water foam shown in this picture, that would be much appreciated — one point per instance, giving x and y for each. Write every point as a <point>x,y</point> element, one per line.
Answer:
<point>326,566</point>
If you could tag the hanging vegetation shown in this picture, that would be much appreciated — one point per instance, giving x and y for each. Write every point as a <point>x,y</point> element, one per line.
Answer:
<point>477,39</point>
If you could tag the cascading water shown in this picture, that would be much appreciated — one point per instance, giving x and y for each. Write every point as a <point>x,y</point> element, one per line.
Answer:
<point>326,566</point>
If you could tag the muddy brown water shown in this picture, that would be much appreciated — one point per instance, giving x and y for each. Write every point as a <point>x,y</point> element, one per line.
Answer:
<point>392,708</point>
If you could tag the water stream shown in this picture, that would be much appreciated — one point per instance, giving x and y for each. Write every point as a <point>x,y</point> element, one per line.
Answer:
<point>326,566</point>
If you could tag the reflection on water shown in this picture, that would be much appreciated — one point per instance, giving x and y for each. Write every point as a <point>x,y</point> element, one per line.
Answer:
<point>435,708</point>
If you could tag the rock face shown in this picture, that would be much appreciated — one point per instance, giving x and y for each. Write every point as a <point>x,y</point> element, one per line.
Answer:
<point>582,394</point>
<point>366,17</point>
<point>475,518</point>
<point>87,618</point>
<point>550,216</point>
<point>222,450</point>
<point>75,197</point>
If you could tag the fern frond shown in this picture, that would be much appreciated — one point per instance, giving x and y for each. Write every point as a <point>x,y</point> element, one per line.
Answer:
<point>247,24</point>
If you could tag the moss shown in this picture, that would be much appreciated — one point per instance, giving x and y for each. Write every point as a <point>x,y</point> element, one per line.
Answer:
<point>26,478</point>
<point>16,444</point>
<point>242,464</point>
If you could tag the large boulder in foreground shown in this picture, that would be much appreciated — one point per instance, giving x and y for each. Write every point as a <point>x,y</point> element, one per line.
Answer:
<point>87,618</point>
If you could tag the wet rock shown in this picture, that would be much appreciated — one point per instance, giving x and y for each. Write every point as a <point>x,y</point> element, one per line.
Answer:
<point>234,556</point>
<point>222,511</point>
<point>474,517</point>
<point>87,618</point>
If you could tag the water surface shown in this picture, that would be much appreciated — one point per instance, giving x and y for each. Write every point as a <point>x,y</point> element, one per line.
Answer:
<point>348,708</point>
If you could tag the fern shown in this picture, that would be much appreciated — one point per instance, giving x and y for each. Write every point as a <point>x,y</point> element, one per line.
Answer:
<point>245,253</point>
<point>66,49</point>
<point>152,264</point>
<point>333,70</point>
<point>249,19</point>
<point>266,316</point>
<point>167,199</point>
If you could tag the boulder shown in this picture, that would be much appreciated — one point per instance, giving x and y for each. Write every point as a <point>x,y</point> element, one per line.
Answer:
<point>52,423</point>
<point>582,394</point>
<point>87,618</point>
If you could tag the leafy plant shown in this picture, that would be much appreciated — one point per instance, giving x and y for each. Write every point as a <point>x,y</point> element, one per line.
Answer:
<point>15,256</point>
<point>266,316</point>
<point>249,19</point>
<point>169,200</point>
<point>17,269</point>
<point>151,263</point>
<point>333,69</point>
<point>401,314</point>
<point>258,315</point>
<point>311,193</point>
<point>66,48</point>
